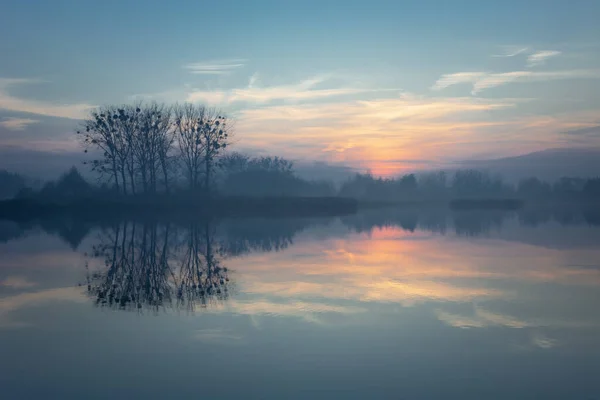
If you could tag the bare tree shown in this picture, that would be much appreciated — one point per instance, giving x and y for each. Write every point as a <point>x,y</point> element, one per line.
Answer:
<point>187,125</point>
<point>153,142</point>
<point>202,135</point>
<point>137,143</point>
<point>102,131</point>
<point>216,138</point>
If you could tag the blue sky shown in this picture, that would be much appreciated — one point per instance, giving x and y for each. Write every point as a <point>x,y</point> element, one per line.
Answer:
<point>384,85</point>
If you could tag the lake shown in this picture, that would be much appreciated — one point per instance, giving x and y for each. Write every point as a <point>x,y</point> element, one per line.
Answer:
<point>384,304</point>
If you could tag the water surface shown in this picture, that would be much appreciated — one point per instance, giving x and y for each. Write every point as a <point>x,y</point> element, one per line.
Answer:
<point>384,304</point>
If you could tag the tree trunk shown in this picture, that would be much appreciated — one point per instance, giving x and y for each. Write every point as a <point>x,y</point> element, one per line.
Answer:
<point>124,181</point>
<point>116,175</point>
<point>165,176</point>
<point>207,177</point>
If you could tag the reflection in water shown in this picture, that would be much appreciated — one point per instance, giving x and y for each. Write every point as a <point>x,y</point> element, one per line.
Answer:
<point>301,300</point>
<point>468,222</point>
<point>162,265</point>
<point>243,236</point>
<point>159,266</point>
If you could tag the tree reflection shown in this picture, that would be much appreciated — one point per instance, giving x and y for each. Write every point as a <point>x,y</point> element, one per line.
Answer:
<point>468,222</point>
<point>156,266</point>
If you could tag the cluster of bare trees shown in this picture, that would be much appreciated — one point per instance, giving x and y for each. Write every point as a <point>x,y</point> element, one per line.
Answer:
<point>148,148</point>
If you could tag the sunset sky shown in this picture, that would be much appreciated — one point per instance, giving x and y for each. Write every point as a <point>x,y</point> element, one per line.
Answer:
<point>381,85</point>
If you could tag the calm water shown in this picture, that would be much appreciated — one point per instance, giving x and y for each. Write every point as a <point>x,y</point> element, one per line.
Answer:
<point>385,304</point>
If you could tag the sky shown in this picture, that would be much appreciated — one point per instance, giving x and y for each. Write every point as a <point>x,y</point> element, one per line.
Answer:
<point>387,86</point>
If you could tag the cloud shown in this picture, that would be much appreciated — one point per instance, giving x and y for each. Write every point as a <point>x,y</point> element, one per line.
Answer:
<point>533,59</point>
<point>252,94</point>
<point>511,51</point>
<point>540,57</point>
<point>13,103</point>
<point>483,80</point>
<point>6,82</point>
<point>253,80</point>
<point>380,111</point>
<point>17,124</point>
<point>361,131</point>
<point>590,131</point>
<point>456,79</point>
<point>217,67</point>
<point>493,80</point>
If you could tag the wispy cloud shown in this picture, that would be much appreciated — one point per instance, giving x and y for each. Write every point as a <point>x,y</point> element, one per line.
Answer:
<point>511,51</point>
<point>17,124</point>
<point>484,80</point>
<point>253,80</point>
<point>360,131</point>
<point>215,67</point>
<point>540,57</point>
<point>308,89</point>
<point>457,78</point>
<point>6,82</point>
<point>14,103</point>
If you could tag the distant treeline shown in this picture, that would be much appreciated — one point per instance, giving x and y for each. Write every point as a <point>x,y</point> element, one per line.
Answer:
<point>467,184</point>
<point>242,175</point>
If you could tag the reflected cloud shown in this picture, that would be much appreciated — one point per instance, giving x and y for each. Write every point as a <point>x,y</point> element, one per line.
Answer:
<point>17,282</point>
<point>308,311</point>
<point>542,341</point>
<point>15,303</point>
<point>217,335</point>
<point>481,319</point>
<point>313,269</point>
<point>374,290</point>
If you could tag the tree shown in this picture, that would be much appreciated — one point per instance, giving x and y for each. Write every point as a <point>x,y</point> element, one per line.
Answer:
<point>68,186</point>
<point>97,135</point>
<point>271,164</point>
<point>592,188</point>
<point>568,187</point>
<point>110,130</point>
<point>202,135</point>
<point>433,183</point>
<point>135,143</point>
<point>10,184</point>
<point>215,137</point>
<point>234,162</point>
<point>152,144</point>
<point>533,187</point>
